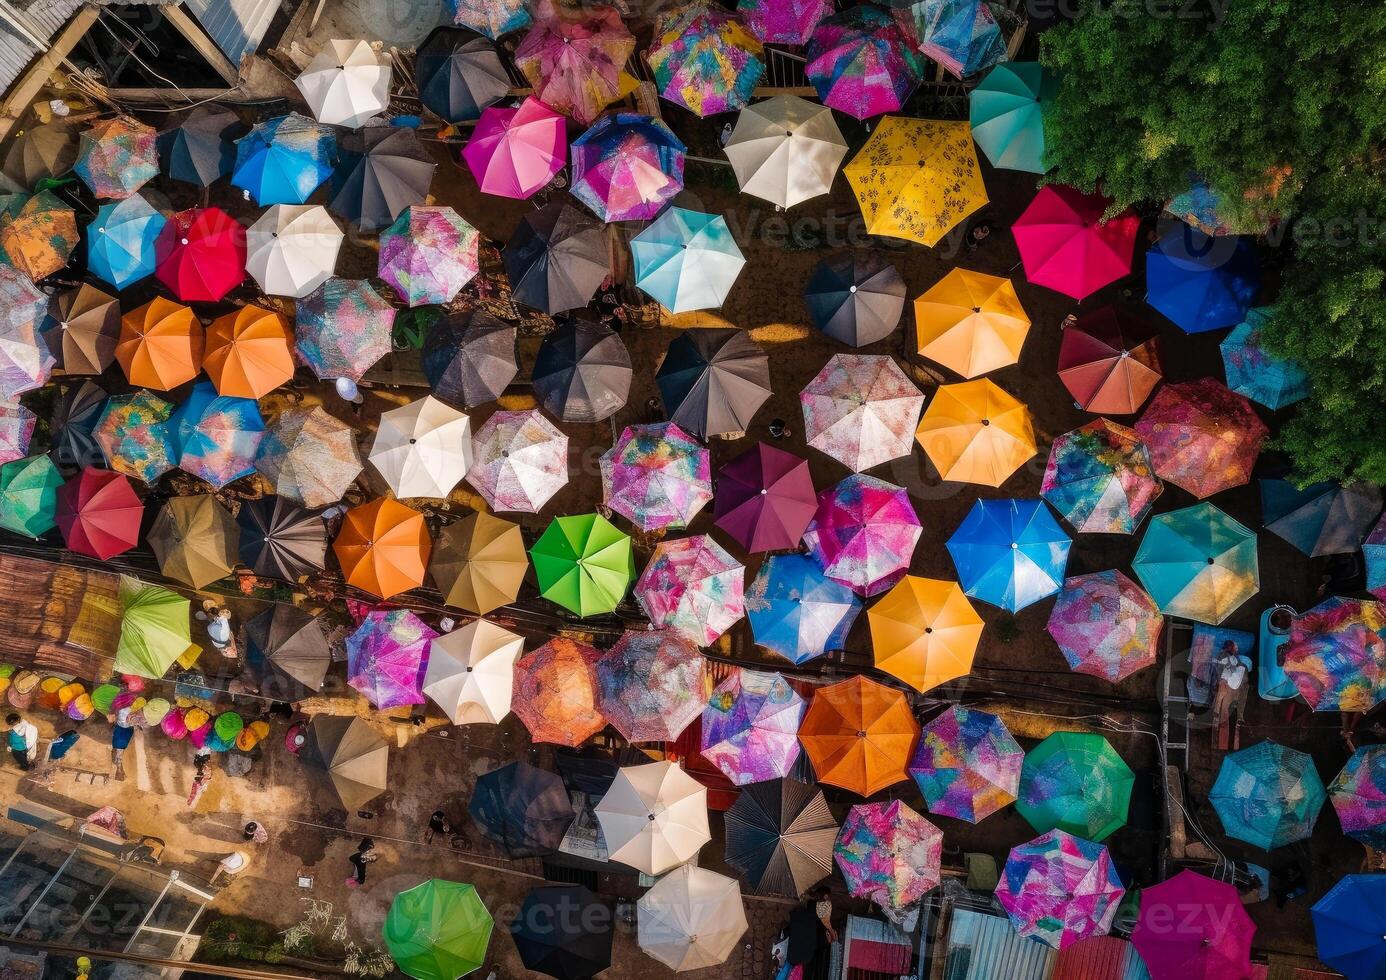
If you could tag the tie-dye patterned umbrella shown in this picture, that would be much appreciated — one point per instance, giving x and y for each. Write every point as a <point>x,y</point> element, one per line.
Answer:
<point>343,327</point>
<point>428,254</point>
<point>797,611</point>
<point>494,18</point>
<point>116,157</point>
<point>861,410</point>
<point>1358,794</point>
<point>961,35</point>
<point>520,461</point>
<point>1336,655</point>
<point>656,476</point>
<point>750,727</point>
<point>29,496</point>
<point>864,533</point>
<point>650,685</point>
<point>888,853</point>
<point>216,437</point>
<point>16,429</point>
<point>555,692</point>
<point>627,166</point>
<point>860,63</point>
<point>693,586</point>
<point>704,59</point>
<point>135,435</point>
<point>1060,889</point>
<point>25,361</point>
<point>967,764</point>
<point>1106,625</point>
<point>783,21</point>
<point>1268,795</point>
<point>387,657</point>
<point>39,237</point>
<point>1255,372</point>
<point>309,457</point>
<point>1075,782</point>
<point>1100,479</point>
<point>573,56</point>
<point>1202,437</point>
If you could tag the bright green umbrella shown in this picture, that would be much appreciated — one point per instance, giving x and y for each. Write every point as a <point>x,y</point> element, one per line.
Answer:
<point>1075,782</point>
<point>438,930</point>
<point>583,563</point>
<point>154,629</point>
<point>1007,115</point>
<point>29,495</point>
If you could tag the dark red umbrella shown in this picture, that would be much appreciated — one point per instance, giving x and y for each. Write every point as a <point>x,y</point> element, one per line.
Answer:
<point>1110,361</point>
<point>201,254</point>
<point>765,499</point>
<point>99,513</point>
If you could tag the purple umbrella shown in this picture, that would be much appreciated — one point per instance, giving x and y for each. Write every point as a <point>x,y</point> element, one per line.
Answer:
<point>751,727</point>
<point>967,764</point>
<point>863,534</point>
<point>16,429</point>
<point>1193,928</point>
<point>765,499</point>
<point>387,656</point>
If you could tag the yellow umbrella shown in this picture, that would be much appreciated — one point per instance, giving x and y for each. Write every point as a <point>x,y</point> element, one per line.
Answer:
<point>976,433</point>
<point>916,178</point>
<point>971,323</point>
<point>924,631</point>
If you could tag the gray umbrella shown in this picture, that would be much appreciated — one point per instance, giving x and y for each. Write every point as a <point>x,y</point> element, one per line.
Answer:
<point>713,381</point>
<point>780,836</point>
<point>74,419</point>
<point>459,74</point>
<point>557,258</point>
<point>582,372</point>
<point>382,171</point>
<point>355,757</point>
<point>469,359</point>
<point>281,539</point>
<point>202,148</point>
<point>292,642</point>
<point>856,299</point>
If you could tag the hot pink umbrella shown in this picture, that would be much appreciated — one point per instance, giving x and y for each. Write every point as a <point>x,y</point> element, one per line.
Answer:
<point>864,533</point>
<point>1193,928</point>
<point>573,57</point>
<point>693,586</point>
<point>1066,245</point>
<point>515,152</point>
<point>1202,437</point>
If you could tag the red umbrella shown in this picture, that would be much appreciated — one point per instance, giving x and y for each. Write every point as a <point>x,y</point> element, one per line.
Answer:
<point>765,499</point>
<point>1110,361</point>
<point>99,513</point>
<point>201,254</point>
<point>1067,246</point>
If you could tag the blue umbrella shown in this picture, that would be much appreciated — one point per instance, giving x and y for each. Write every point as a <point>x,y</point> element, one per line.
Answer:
<point>1322,518</point>
<point>283,160</point>
<point>120,241</point>
<point>1350,926</point>
<point>1200,282</point>
<point>1198,563</point>
<point>797,611</point>
<point>1010,553</point>
<point>1268,795</point>
<point>686,260</point>
<point>216,437</point>
<point>1255,372</point>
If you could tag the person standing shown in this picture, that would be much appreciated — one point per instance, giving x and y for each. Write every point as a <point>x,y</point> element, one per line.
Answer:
<point>57,750</point>
<point>363,855</point>
<point>121,733</point>
<point>22,740</point>
<point>823,908</point>
<point>1229,699</point>
<point>202,775</point>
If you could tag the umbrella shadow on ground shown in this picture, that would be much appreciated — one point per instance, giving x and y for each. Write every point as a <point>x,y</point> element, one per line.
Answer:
<point>225,825</point>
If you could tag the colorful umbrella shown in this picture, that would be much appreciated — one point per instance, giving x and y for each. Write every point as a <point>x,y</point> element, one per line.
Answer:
<point>1010,553</point>
<point>1099,478</point>
<point>343,328</point>
<point>888,853</point>
<point>422,449</point>
<point>1201,283</point>
<point>1202,437</point>
<point>656,476</point>
<point>1255,372</point>
<point>1207,210</point>
<point>29,496</point>
<point>1374,554</point>
<point>564,931</point>
<point>627,166</point>
<point>383,171</point>
<point>39,237</point>
<point>704,59</point>
<point>971,323</point>
<point>1358,795</point>
<point>976,432</point>
<point>99,514</point>
<point>514,152</point>
<point>1322,518</point>
<point>116,157</point>
<point>583,564</point>
<point>1067,243</point>
<point>1075,782</point>
<point>1348,925</point>
<point>281,539</point>
<point>16,429</point>
<point>154,629</point>
<point>82,329</point>
<point>1110,361</point>
<point>557,259</point>
<point>1006,111</point>
<point>195,540</point>
<point>785,150</point>
<point>555,692</point>
<point>42,150</point>
<point>961,35</point>
<point>201,254</point>
<point>524,809</point>
<point>1060,889</point>
<point>713,380</point>
<point>25,361</point>
<point>582,372</point>
<point>1106,625</point>
<point>216,437</point>
<point>860,409</point>
<point>783,21</point>
<point>353,755</point>
<point>387,656</point>
<point>750,727</point>
<point>691,919</point>
<point>691,585</point>
<point>859,63</point>
<point>459,73</point>
<point>521,461</point>
<point>309,457</point>
<point>135,435</point>
<point>686,260</point>
<point>1192,927</point>
<point>284,160</point>
<point>292,642</point>
<point>160,345</point>
<point>493,18</point>
<point>1268,795</point>
<point>765,499</point>
<point>383,547</point>
<point>1198,563</point>
<point>292,249</point>
<point>471,672</point>
<point>73,427</point>
<point>856,298</point>
<point>346,83</point>
<point>797,611</point>
<point>201,149</point>
<point>120,241</point>
<point>967,764</point>
<point>428,255</point>
<point>574,58</point>
<point>479,563</point>
<point>438,930</point>
<point>654,817</point>
<point>859,735</point>
<point>924,632</point>
<point>780,837</point>
<point>1336,654</point>
<point>863,534</point>
<point>650,685</point>
<point>248,352</point>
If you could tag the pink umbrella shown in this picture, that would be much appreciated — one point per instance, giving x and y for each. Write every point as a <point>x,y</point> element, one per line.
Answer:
<point>1106,625</point>
<point>387,656</point>
<point>656,476</point>
<point>765,499</point>
<point>1193,928</point>
<point>515,152</point>
<point>692,585</point>
<point>573,57</point>
<point>1060,889</point>
<point>1067,246</point>
<point>888,853</point>
<point>783,21</point>
<point>1202,436</point>
<point>750,727</point>
<point>864,533</point>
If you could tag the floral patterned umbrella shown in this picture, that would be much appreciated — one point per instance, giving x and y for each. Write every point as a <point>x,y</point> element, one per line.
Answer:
<point>750,727</point>
<point>967,764</point>
<point>1100,479</point>
<point>116,157</point>
<point>25,361</point>
<point>135,435</point>
<point>428,254</point>
<point>387,657</point>
<point>650,685</point>
<point>783,21</point>
<point>704,59</point>
<point>309,457</point>
<point>38,237</point>
<point>1202,437</point>
<point>1336,655</point>
<point>888,853</point>
<point>1106,625</point>
<point>521,460</point>
<point>216,437</point>
<point>864,533</point>
<point>343,327</point>
<point>1358,794</point>
<point>493,18</point>
<point>16,429</point>
<point>627,166</point>
<point>1255,372</point>
<point>555,692</point>
<point>656,476</point>
<point>859,63</point>
<point>861,410</point>
<point>692,585</point>
<point>574,57</point>
<point>797,611</point>
<point>1060,889</point>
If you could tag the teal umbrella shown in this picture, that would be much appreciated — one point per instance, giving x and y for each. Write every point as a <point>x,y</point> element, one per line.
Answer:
<point>29,495</point>
<point>1198,563</point>
<point>686,260</point>
<point>1007,114</point>
<point>1268,795</point>
<point>1075,782</point>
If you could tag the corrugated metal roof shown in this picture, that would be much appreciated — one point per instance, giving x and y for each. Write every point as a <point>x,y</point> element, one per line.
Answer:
<point>986,947</point>
<point>43,18</point>
<point>47,17</point>
<point>237,26</point>
<point>1100,958</point>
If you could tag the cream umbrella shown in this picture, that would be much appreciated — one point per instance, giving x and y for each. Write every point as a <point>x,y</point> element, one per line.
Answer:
<point>786,150</point>
<point>654,817</point>
<point>471,672</point>
<point>346,84</point>
<point>423,449</point>
<point>292,249</point>
<point>691,919</point>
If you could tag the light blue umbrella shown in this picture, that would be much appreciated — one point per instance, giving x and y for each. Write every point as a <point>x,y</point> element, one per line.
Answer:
<point>216,437</point>
<point>1350,926</point>
<point>1198,563</point>
<point>1200,282</point>
<point>120,241</point>
<point>1322,518</point>
<point>1010,553</point>
<point>686,260</point>
<point>1268,795</point>
<point>1006,110</point>
<point>1255,372</point>
<point>284,159</point>
<point>797,611</point>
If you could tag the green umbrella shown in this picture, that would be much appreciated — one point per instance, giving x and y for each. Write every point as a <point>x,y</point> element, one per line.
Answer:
<point>1007,114</point>
<point>29,495</point>
<point>1075,782</point>
<point>438,930</point>
<point>583,563</point>
<point>154,629</point>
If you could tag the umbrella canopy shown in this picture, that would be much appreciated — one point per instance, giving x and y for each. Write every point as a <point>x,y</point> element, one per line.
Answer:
<point>494,19</point>
<point>201,254</point>
<point>309,457</point>
<point>469,358</point>
<point>704,59</point>
<point>1100,479</point>
<point>383,170</point>
<point>888,853</point>
<point>765,499</point>
<point>1075,782</point>
<point>1336,655</point>
<point>916,178</point>
<point>292,249</point>
<point>924,632</point>
<point>780,837</point>
<point>859,63</point>
<point>971,323</point>
<point>42,150</point>
<point>1060,889</point>
<point>355,758</point>
<point>438,930</point>
<point>160,345</point>
<point>654,817</point>
<point>859,735</point>
<point>120,241</point>
<point>343,328</point>
<point>1192,927</point>
<point>1067,243</point>
<point>1198,563</point>
<point>346,83</point>
<point>750,727</point>
<point>962,36</point>
<point>195,540</point>
<point>154,629</point>
<point>17,425</point>
<point>650,685</point>
<point>856,297</point>
<point>555,693</point>
<point>25,362</point>
<point>135,436</point>
<point>1010,553</point>
<point>860,409</point>
<point>557,258</point>
<point>864,533</point>
<point>383,547</point>
<point>627,166</point>
<point>976,432</point>
<point>783,21</point>
<point>428,255</point>
<point>38,237</point>
<point>1348,925</point>
<point>1006,111</point>
<point>99,514</point>
<point>1201,283</point>
<point>582,372</point>
<point>284,160</point>
<point>292,642</point>
<point>201,149</point>
<point>82,329</point>
<point>1268,795</point>
<point>524,809</point>
<point>1255,372</point>
<point>712,381</point>
<point>564,931</point>
<point>1110,361</point>
<point>1202,437</point>
<point>694,587</point>
<point>387,656</point>
<point>459,73</point>
<point>1106,625</point>
<point>29,496</point>
<point>247,352</point>
<point>686,260</point>
<point>967,764</point>
<point>520,461</point>
<point>514,152</point>
<point>1358,795</point>
<point>479,563</point>
<point>583,563</point>
<point>422,449</point>
<point>216,437</point>
<point>786,150</point>
<point>471,672</point>
<point>281,539</point>
<point>797,611</point>
<point>1322,518</point>
<point>116,157</point>
<point>691,919</point>
<point>656,476</point>
<point>573,58</point>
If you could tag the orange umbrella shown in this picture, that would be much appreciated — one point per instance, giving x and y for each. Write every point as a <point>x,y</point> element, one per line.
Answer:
<point>976,433</point>
<point>971,323</point>
<point>859,735</point>
<point>556,690</point>
<point>383,547</point>
<point>160,345</point>
<point>248,352</point>
<point>924,631</point>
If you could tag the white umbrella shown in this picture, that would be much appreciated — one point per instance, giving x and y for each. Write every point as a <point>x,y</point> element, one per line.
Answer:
<point>786,150</point>
<point>471,672</point>
<point>423,449</point>
<point>654,817</point>
<point>521,461</point>
<point>346,84</point>
<point>292,249</point>
<point>861,410</point>
<point>692,918</point>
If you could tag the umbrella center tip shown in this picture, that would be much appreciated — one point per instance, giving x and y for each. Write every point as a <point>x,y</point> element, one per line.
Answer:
<point>851,289</point>
<point>1015,545</point>
<point>763,491</point>
<point>986,421</point>
<point>413,441</point>
<point>860,733</point>
<point>928,629</point>
<point>1212,561</point>
<point>976,309</point>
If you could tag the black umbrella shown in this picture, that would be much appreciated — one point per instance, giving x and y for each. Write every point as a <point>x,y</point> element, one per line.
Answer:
<point>524,809</point>
<point>469,359</point>
<point>564,931</point>
<point>201,149</point>
<point>382,171</point>
<point>354,756</point>
<point>459,73</point>
<point>74,420</point>
<point>292,642</point>
<point>780,836</point>
<point>856,299</point>
<point>45,150</point>
<point>582,372</point>
<point>557,258</point>
<point>282,539</point>
<point>712,381</point>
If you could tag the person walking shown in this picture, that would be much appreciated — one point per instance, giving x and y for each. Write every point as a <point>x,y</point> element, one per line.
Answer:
<point>121,733</point>
<point>202,775</point>
<point>57,750</point>
<point>255,833</point>
<point>22,740</point>
<point>1229,698</point>
<point>437,824</point>
<point>362,856</point>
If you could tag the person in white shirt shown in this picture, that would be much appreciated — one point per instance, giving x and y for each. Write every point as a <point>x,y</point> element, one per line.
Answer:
<point>1229,699</point>
<point>22,740</point>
